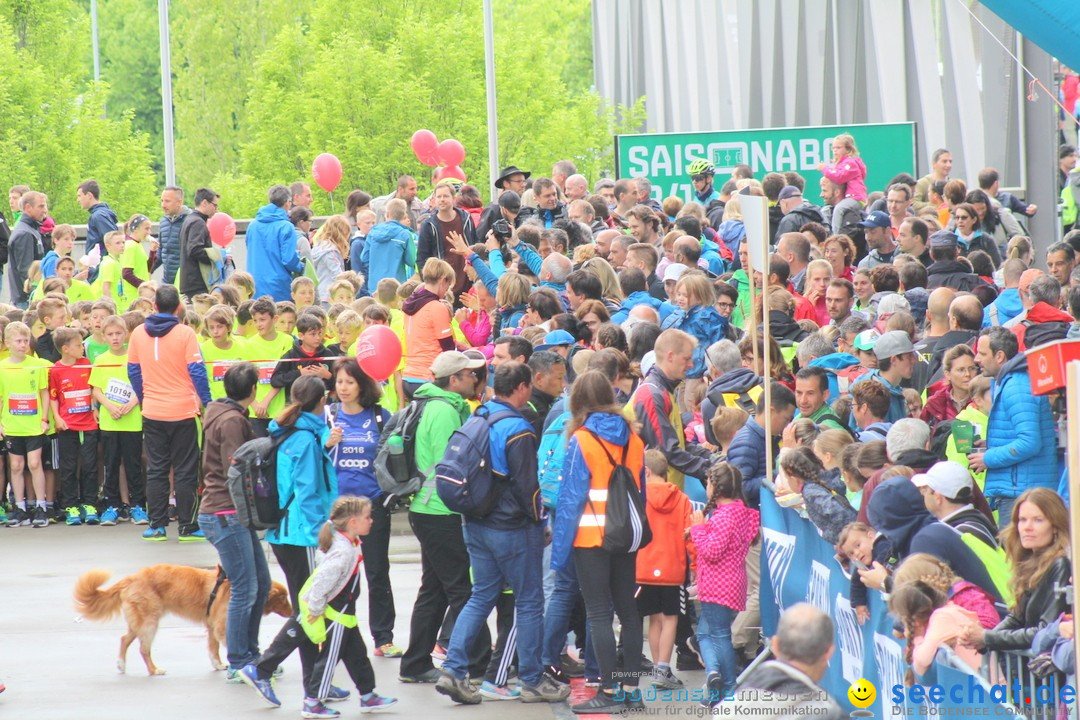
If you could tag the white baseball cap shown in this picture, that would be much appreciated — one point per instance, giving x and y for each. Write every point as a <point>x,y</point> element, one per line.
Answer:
<point>947,478</point>
<point>674,271</point>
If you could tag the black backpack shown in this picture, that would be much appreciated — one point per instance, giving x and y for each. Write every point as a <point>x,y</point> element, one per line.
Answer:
<point>626,526</point>
<point>252,482</point>
<point>396,473</point>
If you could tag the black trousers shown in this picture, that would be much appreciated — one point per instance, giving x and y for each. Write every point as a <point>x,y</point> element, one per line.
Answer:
<point>381,613</point>
<point>498,670</point>
<point>444,583</point>
<point>297,563</point>
<point>78,467</point>
<point>119,446</point>
<point>610,580</point>
<point>172,445</point>
<point>344,644</point>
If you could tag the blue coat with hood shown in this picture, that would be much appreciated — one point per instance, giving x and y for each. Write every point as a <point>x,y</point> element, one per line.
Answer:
<point>102,221</point>
<point>271,253</point>
<point>831,363</point>
<point>389,252</point>
<point>641,297</point>
<point>307,482</point>
<point>704,323</point>
<point>1020,437</point>
<point>574,488</point>
<point>1005,307</point>
<point>897,403</point>
<point>513,447</point>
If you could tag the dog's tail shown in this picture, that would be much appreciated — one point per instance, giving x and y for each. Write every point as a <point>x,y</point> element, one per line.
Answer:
<point>94,603</point>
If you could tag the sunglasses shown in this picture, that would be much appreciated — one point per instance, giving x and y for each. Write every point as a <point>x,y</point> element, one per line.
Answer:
<point>962,217</point>
<point>699,178</point>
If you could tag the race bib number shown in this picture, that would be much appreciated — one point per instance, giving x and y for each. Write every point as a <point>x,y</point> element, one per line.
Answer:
<point>265,373</point>
<point>119,391</point>
<point>78,401</point>
<point>218,373</point>
<point>22,404</point>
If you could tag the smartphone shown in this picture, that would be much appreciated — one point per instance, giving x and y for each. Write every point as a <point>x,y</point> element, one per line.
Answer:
<point>963,433</point>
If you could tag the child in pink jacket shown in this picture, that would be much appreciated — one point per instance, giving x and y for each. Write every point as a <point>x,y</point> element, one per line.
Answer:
<point>722,543</point>
<point>849,172</point>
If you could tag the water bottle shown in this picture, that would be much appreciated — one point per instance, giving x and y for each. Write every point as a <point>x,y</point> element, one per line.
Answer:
<point>398,464</point>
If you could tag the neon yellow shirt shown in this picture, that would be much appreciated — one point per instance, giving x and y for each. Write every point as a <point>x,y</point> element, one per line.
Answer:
<point>110,375</point>
<point>109,271</point>
<point>218,362</point>
<point>136,258</point>
<point>268,351</point>
<point>21,384</point>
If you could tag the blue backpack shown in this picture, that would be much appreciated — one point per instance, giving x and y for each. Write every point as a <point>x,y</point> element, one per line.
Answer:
<point>551,455</point>
<point>463,476</point>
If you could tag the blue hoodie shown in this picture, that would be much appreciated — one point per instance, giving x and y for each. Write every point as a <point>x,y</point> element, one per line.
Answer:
<point>831,363</point>
<point>704,323</point>
<point>641,297</point>
<point>1007,306</point>
<point>732,232</point>
<point>307,482</point>
<point>389,252</point>
<point>271,253</point>
<point>897,404</point>
<point>574,488</point>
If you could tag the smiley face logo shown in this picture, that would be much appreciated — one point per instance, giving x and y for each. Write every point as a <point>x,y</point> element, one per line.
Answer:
<point>862,693</point>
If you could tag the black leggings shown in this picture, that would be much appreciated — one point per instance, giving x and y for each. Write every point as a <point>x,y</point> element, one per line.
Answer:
<point>610,580</point>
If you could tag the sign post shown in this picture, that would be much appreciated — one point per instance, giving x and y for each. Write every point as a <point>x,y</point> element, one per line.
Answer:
<point>755,211</point>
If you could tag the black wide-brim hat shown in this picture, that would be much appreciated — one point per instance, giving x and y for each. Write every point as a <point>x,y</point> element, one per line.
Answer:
<point>507,172</point>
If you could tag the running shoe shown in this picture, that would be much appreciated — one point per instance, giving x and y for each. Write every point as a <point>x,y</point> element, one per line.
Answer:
<point>40,518</point>
<point>665,679</point>
<point>110,517</point>
<point>460,691</point>
<point>123,514</point>
<point>172,513</point>
<point>375,703</point>
<point>139,516</point>
<point>389,650</point>
<point>154,534</point>
<point>438,652</point>
<point>72,516</point>
<point>18,517</point>
<point>3,521</point>
<point>314,708</point>
<point>250,676</point>
<point>337,694</point>
<point>491,691</point>
<point>194,536</point>
<point>232,677</point>
<point>90,516</point>
<point>428,676</point>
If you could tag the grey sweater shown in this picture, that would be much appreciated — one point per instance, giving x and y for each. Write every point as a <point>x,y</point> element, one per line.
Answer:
<point>332,572</point>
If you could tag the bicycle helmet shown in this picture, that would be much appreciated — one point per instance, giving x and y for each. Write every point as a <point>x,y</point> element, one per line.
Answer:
<point>701,167</point>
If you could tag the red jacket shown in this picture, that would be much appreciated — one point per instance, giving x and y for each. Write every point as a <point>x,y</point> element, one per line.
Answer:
<point>1042,324</point>
<point>663,561</point>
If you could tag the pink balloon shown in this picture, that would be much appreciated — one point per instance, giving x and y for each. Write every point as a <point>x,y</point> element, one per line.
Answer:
<point>326,170</point>
<point>426,146</point>
<point>452,171</point>
<point>451,152</point>
<point>222,229</point>
<point>378,352</point>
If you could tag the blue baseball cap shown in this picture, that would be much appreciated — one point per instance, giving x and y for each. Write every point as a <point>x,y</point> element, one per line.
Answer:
<point>877,219</point>
<point>556,338</point>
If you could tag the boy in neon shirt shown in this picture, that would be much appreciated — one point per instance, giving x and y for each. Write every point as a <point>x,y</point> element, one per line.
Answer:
<point>245,325</point>
<point>110,280</point>
<point>264,350</point>
<point>24,422</point>
<point>76,429</point>
<point>348,325</point>
<point>342,292</point>
<point>222,349</point>
<point>303,293</point>
<point>120,420</point>
<point>286,317</point>
<point>52,312</point>
<point>78,290</point>
<point>96,343</point>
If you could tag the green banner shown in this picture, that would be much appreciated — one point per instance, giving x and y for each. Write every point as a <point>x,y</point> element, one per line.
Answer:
<point>887,149</point>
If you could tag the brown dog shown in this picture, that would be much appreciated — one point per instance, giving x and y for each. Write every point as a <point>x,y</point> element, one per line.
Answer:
<point>146,596</point>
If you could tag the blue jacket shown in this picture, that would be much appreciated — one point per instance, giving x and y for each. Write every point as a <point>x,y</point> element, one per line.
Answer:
<point>389,252</point>
<point>1020,437</point>
<point>271,253</point>
<point>710,251</point>
<point>307,482</point>
<point>641,297</point>
<point>513,460</point>
<point>574,488</point>
<point>747,452</point>
<point>169,237</point>
<point>732,232</point>
<point>1008,305</point>
<point>897,404</point>
<point>102,220</point>
<point>704,323</point>
<point>356,249</point>
<point>834,361</point>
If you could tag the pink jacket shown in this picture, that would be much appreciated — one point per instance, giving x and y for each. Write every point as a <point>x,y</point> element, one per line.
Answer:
<point>477,329</point>
<point>722,544</point>
<point>851,173</point>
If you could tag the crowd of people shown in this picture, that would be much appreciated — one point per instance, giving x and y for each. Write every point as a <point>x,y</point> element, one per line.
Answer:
<point>611,346</point>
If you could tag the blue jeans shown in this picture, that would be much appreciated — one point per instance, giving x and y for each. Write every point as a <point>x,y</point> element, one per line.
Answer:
<point>557,621</point>
<point>249,577</point>
<point>501,557</point>
<point>1004,507</point>
<point>714,639</point>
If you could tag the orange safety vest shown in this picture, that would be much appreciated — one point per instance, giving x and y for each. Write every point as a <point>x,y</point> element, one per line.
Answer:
<point>590,531</point>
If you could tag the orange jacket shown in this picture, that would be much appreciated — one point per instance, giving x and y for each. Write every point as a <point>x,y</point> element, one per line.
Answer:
<point>663,561</point>
<point>590,532</point>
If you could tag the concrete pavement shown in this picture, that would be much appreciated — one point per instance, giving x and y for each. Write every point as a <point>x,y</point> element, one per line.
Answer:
<point>57,666</point>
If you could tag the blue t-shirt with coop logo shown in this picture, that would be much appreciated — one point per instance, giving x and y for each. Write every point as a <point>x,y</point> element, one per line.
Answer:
<point>354,456</point>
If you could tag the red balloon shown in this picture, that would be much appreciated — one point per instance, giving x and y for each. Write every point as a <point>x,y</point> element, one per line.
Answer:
<point>222,229</point>
<point>378,352</point>
<point>450,172</point>
<point>451,152</point>
<point>326,170</point>
<point>426,146</point>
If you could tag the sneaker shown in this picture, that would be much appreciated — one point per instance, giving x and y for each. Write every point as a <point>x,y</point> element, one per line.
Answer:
<point>56,514</point>
<point>556,673</point>
<point>376,703</point>
<point>278,672</point>
<point>90,515</point>
<point>692,643</point>
<point>428,676</point>
<point>313,708</point>
<point>3,521</point>
<point>110,517</point>
<point>389,650</point>
<point>712,692</point>
<point>438,652</point>
<point>571,667</point>
<point>592,682</point>
<point>688,661</point>
<point>665,679</point>
<point>155,534</point>
<point>602,704</point>
<point>491,691</point>
<point>547,690</point>
<point>123,514</point>
<point>172,513</point>
<point>18,517</point>
<point>139,516</point>
<point>232,677</point>
<point>72,516</point>
<point>195,536</point>
<point>250,676</point>
<point>40,518</point>
<point>631,700</point>
<point>337,694</point>
<point>460,691</point>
